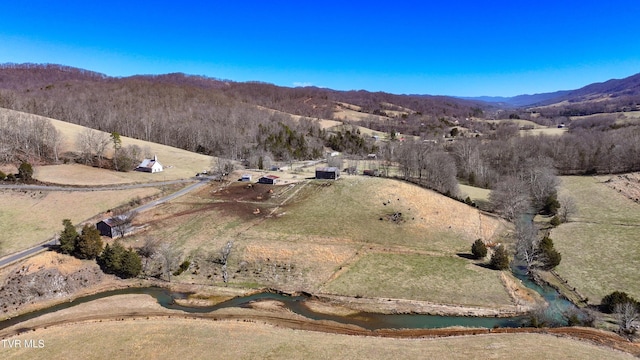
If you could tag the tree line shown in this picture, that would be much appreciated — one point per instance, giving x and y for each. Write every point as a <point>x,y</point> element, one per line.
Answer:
<point>194,113</point>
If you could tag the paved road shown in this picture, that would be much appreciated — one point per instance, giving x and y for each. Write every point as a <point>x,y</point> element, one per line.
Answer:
<point>41,247</point>
<point>96,188</point>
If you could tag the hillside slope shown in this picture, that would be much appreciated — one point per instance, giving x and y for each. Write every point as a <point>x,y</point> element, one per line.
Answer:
<point>179,164</point>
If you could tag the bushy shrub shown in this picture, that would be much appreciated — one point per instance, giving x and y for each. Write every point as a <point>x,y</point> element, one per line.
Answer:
<point>500,258</point>
<point>609,302</point>
<point>479,249</point>
<point>25,171</point>
<point>555,221</point>
<point>183,267</point>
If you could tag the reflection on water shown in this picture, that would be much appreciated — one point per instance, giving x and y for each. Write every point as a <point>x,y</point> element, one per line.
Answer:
<point>295,304</point>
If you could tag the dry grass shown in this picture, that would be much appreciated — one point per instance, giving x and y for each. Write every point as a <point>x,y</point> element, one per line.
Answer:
<point>552,131</point>
<point>168,338</point>
<point>324,230</point>
<point>519,122</point>
<point>475,193</point>
<point>30,217</point>
<point>178,163</point>
<point>600,252</point>
<point>440,279</point>
<point>352,208</point>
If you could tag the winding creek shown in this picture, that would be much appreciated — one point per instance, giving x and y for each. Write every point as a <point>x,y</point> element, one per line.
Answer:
<point>296,304</point>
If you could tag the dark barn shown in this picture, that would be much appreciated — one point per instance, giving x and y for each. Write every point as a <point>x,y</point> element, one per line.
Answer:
<point>269,179</point>
<point>106,228</point>
<point>114,227</point>
<point>328,173</point>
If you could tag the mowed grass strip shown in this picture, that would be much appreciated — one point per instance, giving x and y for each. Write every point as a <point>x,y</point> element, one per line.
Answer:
<point>198,339</point>
<point>439,279</point>
<point>600,247</point>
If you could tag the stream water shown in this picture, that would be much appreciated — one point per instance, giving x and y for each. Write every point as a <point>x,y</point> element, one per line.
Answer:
<point>297,305</point>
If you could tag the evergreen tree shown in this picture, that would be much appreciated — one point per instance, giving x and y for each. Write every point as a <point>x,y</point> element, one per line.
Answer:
<point>25,171</point>
<point>68,238</point>
<point>549,256</point>
<point>479,249</point>
<point>131,264</point>
<point>500,258</point>
<point>89,244</point>
<point>118,261</point>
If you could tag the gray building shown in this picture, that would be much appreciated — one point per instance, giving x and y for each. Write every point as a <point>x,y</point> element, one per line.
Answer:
<point>328,173</point>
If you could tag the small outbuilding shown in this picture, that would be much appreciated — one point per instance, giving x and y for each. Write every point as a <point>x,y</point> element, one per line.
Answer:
<point>150,165</point>
<point>246,177</point>
<point>114,227</point>
<point>328,173</point>
<point>269,180</point>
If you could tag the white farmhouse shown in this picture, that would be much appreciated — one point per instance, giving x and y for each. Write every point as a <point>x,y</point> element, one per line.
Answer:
<point>150,165</point>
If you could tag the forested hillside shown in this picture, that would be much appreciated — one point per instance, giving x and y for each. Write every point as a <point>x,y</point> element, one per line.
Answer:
<point>212,116</point>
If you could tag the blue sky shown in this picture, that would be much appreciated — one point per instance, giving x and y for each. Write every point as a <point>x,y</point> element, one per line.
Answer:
<point>461,48</point>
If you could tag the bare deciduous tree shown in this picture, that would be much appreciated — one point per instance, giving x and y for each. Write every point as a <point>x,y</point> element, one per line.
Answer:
<point>148,250</point>
<point>92,143</point>
<point>526,241</point>
<point>224,255</point>
<point>627,314</point>
<point>121,221</point>
<point>510,198</point>
<point>568,208</point>
<point>169,257</point>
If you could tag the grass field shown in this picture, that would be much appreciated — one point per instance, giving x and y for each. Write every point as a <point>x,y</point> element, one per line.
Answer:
<point>441,279</point>
<point>28,218</point>
<point>600,246</point>
<point>178,163</point>
<point>326,233</point>
<point>352,209</point>
<point>475,193</point>
<point>197,339</point>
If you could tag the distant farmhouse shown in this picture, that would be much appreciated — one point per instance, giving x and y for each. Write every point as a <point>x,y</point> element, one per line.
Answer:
<point>269,179</point>
<point>150,165</point>
<point>330,173</point>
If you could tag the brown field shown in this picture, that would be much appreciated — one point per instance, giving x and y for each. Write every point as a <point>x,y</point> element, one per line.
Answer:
<point>31,217</point>
<point>627,117</point>
<point>475,193</point>
<point>551,131</point>
<point>166,338</point>
<point>519,122</point>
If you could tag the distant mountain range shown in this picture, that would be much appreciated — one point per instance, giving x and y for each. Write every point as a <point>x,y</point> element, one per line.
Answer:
<point>627,89</point>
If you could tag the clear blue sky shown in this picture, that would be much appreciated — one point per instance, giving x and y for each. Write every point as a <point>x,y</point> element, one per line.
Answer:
<point>462,48</point>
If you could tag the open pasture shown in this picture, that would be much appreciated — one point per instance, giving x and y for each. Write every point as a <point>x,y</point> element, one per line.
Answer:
<point>309,235</point>
<point>441,279</point>
<point>165,338</point>
<point>600,245</point>
<point>28,218</point>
